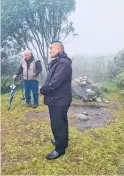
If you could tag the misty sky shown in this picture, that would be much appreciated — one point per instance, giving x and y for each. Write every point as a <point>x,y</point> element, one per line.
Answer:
<point>100,27</point>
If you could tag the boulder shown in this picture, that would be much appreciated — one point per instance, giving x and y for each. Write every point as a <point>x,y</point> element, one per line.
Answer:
<point>86,90</point>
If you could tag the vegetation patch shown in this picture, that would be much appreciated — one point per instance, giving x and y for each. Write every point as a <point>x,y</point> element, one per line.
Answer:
<point>26,141</point>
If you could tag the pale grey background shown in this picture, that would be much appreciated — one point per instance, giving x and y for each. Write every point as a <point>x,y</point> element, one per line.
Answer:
<point>100,27</point>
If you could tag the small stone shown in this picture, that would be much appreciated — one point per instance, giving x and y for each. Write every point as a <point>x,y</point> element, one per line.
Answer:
<point>85,113</point>
<point>89,90</point>
<point>90,81</point>
<point>99,100</point>
<point>106,101</point>
<point>97,113</point>
<point>81,117</point>
<point>83,83</point>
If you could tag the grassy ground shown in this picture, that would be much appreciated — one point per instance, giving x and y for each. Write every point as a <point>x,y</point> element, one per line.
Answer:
<point>26,141</point>
<point>110,87</point>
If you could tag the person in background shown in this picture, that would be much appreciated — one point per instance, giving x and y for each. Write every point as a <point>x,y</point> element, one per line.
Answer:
<point>30,69</point>
<point>58,96</point>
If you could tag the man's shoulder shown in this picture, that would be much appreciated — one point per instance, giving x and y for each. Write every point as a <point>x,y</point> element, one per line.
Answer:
<point>66,61</point>
<point>37,60</point>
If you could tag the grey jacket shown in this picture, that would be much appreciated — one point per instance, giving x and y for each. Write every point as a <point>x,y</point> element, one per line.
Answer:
<point>27,68</point>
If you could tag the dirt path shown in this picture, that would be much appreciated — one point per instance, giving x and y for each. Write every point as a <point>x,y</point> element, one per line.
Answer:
<point>80,117</point>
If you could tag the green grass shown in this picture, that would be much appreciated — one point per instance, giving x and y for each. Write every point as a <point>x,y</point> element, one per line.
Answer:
<point>26,141</point>
<point>110,87</point>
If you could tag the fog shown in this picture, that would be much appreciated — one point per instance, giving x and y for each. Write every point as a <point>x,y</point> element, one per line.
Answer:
<point>100,28</point>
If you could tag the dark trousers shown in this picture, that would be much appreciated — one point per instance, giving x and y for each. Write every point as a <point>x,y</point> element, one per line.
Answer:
<point>31,85</point>
<point>59,126</point>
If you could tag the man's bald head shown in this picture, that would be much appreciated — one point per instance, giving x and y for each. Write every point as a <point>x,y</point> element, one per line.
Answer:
<point>59,44</point>
<point>55,48</point>
<point>27,54</point>
<point>27,51</point>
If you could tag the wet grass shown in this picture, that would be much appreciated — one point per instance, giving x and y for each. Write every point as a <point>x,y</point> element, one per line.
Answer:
<point>26,141</point>
<point>110,87</point>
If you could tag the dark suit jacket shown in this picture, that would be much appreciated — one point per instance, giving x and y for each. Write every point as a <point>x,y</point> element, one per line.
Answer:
<point>57,87</point>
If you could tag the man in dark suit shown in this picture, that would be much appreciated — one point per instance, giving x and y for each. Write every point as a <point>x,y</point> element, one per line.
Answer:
<point>58,97</point>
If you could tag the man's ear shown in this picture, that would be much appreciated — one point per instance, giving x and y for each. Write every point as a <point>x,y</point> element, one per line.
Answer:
<point>58,49</point>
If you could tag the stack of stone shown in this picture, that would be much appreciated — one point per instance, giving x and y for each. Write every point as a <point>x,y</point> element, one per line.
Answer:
<point>86,89</point>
